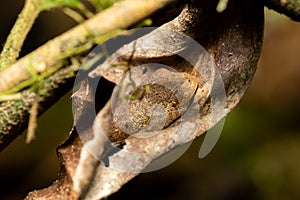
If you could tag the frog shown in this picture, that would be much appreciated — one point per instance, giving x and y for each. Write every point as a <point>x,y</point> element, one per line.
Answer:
<point>153,105</point>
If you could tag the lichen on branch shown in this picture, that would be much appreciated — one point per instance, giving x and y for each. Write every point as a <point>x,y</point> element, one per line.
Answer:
<point>25,20</point>
<point>58,52</point>
<point>80,37</point>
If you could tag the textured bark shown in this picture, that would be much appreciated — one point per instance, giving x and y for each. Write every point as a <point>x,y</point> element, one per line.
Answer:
<point>14,115</point>
<point>59,52</point>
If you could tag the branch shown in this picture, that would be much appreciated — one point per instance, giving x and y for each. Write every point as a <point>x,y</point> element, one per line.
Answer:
<point>57,52</point>
<point>26,18</point>
<point>14,115</point>
<point>18,34</point>
<point>78,39</point>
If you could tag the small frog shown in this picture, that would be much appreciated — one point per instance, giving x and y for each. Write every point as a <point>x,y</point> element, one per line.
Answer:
<point>149,111</point>
<point>154,105</point>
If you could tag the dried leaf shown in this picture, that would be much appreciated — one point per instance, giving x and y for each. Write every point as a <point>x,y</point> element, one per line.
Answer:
<point>234,40</point>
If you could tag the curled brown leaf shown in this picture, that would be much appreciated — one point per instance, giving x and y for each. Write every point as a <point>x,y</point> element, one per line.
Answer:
<point>233,39</point>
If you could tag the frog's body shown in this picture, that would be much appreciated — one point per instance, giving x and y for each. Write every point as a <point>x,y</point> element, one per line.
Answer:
<point>154,105</point>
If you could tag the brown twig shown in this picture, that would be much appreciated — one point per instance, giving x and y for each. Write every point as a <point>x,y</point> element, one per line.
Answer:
<point>32,124</point>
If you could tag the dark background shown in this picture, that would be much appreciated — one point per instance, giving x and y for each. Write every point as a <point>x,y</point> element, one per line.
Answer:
<point>256,157</point>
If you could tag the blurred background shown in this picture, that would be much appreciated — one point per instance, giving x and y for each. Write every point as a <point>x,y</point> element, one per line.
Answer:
<point>256,157</point>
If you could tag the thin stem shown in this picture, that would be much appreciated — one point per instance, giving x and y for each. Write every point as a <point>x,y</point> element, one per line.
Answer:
<point>18,33</point>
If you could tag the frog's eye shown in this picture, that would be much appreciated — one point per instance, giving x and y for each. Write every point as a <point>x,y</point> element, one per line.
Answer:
<point>139,93</point>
